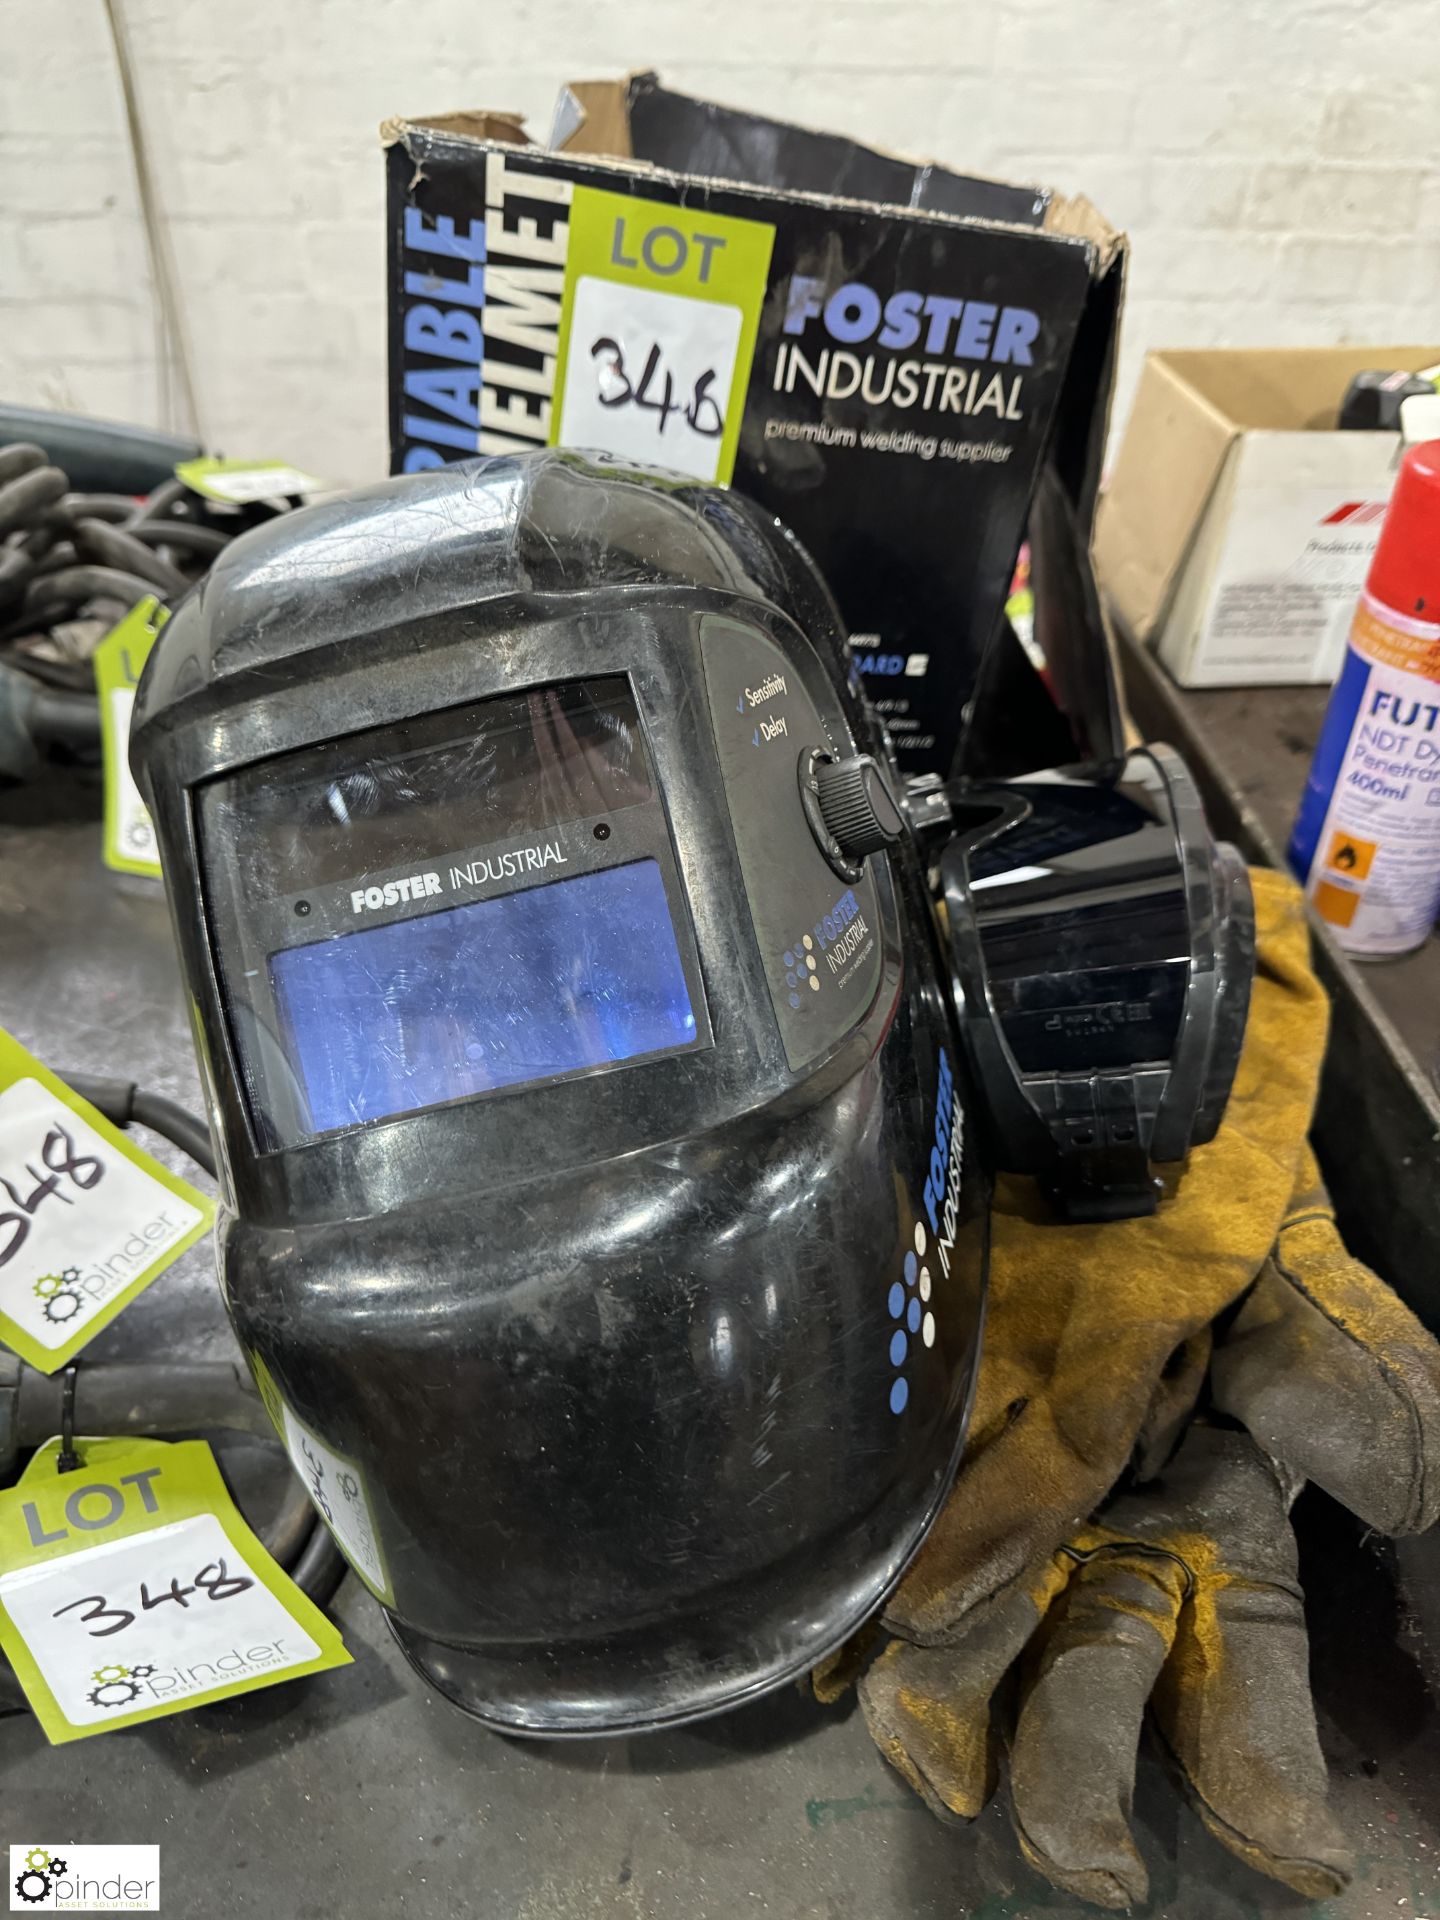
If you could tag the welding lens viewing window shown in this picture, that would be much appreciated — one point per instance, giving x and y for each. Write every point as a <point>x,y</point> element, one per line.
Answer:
<point>471,777</point>
<point>528,986</point>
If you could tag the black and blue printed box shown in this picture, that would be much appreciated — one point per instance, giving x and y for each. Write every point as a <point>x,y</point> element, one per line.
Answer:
<point>881,352</point>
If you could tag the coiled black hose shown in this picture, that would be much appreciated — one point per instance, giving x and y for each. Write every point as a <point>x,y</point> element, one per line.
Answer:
<point>35,487</point>
<point>103,543</point>
<point>69,558</point>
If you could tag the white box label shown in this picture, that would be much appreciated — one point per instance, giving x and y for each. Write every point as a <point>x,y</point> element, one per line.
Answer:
<point>649,375</point>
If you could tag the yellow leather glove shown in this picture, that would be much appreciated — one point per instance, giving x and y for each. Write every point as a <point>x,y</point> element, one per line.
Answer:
<point>1184,1595</point>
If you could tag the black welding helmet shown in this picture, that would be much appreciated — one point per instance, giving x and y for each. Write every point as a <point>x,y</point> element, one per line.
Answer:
<point>1102,948</point>
<point>1101,940</point>
<point>597,1214</point>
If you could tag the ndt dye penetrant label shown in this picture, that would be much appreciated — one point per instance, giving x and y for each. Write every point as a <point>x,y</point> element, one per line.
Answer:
<point>1367,840</point>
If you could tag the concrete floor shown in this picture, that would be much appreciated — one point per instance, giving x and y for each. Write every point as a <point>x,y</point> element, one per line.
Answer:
<point>357,1793</point>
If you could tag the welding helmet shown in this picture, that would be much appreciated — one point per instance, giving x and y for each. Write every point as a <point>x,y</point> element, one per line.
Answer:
<point>1102,951</point>
<point>1101,942</point>
<point>599,1218</point>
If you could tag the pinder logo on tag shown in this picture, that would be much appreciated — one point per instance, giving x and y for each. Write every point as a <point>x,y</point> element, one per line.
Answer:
<point>85,1879</point>
<point>117,1686</point>
<point>41,1869</point>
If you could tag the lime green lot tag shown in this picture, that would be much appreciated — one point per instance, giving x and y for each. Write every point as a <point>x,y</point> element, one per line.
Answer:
<point>87,1218</point>
<point>239,483</point>
<point>131,1587</point>
<point>129,844</point>
<point>657,333</point>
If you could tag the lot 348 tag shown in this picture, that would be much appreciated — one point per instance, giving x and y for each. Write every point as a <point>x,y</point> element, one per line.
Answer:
<point>131,1587</point>
<point>87,1218</point>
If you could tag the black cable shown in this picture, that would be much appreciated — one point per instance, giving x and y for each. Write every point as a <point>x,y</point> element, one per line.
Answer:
<point>22,498</point>
<point>65,717</point>
<point>288,1534</point>
<point>181,536</point>
<point>123,1104</point>
<point>15,571</point>
<point>21,456</point>
<point>67,1460</point>
<point>182,1128</point>
<point>45,532</point>
<point>113,547</point>
<point>119,507</point>
<point>146,1399</point>
<point>321,1566</point>
<point>163,501</point>
<point>71,565</point>
<point>64,593</point>
<point>66,676</point>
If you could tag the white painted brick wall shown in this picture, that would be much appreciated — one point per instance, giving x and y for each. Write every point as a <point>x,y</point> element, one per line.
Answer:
<point>1277,166</point>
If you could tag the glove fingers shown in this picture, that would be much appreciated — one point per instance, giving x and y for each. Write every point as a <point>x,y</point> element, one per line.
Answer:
<point>932,1726</point>
<point>928,1708</point>
<point>1072,1766</point>
<point>832,1678</point>
<point>1336,1377</point>
<point>1234,1708</point>
<point>1233,1703</point>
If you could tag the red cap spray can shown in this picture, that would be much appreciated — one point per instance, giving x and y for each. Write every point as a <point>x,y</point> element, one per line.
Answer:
<point>1367,837</point>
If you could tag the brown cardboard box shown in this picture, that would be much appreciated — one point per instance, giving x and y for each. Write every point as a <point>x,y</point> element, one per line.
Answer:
<point>1238,524</point>
<point>888,355</point>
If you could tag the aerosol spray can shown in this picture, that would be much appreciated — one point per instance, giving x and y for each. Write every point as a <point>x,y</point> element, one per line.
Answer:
<point>1367,838</point>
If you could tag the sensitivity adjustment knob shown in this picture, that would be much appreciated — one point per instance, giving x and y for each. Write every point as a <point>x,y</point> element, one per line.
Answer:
<point>857,805</point>
<point>851,808</point>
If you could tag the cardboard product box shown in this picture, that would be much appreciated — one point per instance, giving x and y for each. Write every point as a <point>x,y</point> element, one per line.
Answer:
<point>1238,525</point>
<point>879,351</point>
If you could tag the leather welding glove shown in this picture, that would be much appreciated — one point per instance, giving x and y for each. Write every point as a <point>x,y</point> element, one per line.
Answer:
<point>1184,1594</point>
<point>1333,1374</point>
<point>1096,1335</point>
